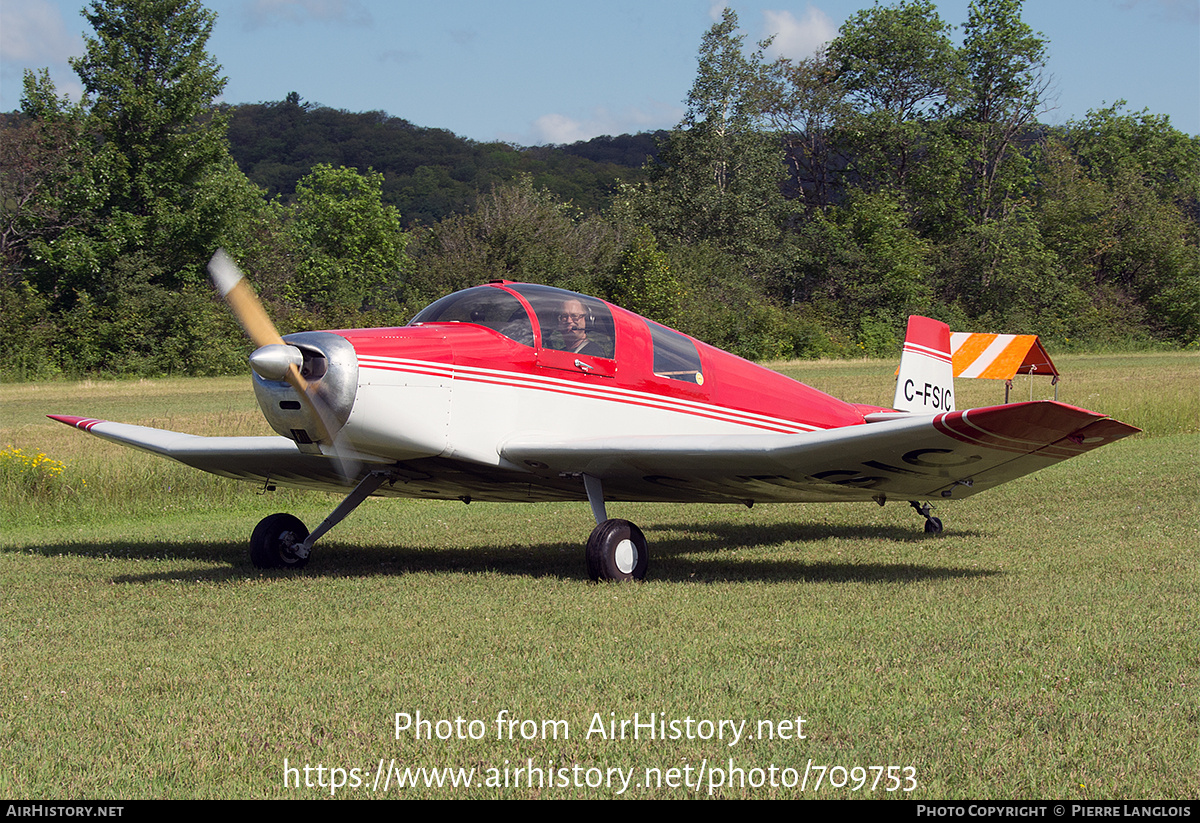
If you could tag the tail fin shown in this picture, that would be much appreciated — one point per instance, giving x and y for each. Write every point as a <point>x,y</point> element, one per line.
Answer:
<point>925,383</point>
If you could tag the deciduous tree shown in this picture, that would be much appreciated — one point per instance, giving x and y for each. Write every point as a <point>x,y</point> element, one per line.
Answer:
<point>898,59</point>
<point>350,246</point>
<point>1005,88</point>
<point>718,174</point>
<point>901,73</point>
<point>151,192</point>
<point>153,85</point>
<point>517,231</point>
<point>803,101</point>
<point>642,280</point>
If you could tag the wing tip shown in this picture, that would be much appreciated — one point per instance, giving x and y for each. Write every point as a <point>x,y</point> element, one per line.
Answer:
<point>83,423</point>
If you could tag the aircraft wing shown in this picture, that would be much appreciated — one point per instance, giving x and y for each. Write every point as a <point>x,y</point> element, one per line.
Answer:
<point>907,457</point>
<point>260,459</point>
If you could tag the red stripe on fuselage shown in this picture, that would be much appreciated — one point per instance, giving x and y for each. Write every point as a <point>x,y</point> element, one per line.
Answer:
<point>591,391</point>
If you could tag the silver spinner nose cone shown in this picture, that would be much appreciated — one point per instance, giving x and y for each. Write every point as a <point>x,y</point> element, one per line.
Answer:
<point>272,362</point>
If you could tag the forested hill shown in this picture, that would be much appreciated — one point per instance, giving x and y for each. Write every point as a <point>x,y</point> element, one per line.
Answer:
<point>799,209</point>
<point>429,173</point>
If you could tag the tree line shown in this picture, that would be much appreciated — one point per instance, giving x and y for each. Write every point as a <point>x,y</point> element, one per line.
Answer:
<point>801,208</point>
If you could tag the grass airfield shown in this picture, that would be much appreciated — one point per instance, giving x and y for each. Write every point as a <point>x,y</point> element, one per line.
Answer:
<point>1047,645</point>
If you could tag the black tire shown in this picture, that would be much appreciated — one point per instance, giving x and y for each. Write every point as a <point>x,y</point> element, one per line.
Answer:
<point>617,550</point>
<point>933,526</point>
<point>272,542</point>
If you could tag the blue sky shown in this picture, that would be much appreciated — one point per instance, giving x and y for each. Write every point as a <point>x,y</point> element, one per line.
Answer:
<point>554,71</point>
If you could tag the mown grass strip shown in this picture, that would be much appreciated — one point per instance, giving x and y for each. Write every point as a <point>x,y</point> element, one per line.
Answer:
<point>1044,646</point>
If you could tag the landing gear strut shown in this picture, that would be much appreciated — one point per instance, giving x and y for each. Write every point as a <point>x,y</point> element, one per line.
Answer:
<point>932,524</point>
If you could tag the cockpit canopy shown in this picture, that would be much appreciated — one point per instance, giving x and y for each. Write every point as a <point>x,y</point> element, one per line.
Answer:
<point>532,315</point>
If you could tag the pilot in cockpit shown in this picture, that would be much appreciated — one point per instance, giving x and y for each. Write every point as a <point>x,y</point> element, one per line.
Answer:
<point>572,327</point>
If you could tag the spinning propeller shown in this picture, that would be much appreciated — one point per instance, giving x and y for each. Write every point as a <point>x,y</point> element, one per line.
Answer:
<point>275,359</point>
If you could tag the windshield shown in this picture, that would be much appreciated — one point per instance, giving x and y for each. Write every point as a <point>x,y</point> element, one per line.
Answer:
<point>570,321</point>
<point>484,306</point>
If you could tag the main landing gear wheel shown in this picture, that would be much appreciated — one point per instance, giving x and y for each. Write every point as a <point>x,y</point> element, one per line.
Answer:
<point>617,550</point>
<point>273,544</point>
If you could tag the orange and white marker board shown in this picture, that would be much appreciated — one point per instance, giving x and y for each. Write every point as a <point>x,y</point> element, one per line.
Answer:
<point>998,356</point>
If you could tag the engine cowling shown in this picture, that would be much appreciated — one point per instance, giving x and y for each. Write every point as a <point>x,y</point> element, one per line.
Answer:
<point>329,364</point>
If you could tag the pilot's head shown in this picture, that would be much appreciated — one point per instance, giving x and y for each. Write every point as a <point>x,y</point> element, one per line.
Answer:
<point>572,323</point>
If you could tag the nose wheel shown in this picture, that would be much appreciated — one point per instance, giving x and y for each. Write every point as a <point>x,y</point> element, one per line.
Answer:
<point>281,541</point>
<point>278,543</point>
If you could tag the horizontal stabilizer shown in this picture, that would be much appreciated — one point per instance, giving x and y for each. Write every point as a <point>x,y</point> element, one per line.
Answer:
<point>906,457</point>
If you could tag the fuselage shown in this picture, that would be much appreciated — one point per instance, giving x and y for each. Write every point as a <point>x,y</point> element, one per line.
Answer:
<point>525,393</point>
<point>488,363</point>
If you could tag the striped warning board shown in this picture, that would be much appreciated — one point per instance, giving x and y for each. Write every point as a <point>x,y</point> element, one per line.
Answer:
<point>999,356</point>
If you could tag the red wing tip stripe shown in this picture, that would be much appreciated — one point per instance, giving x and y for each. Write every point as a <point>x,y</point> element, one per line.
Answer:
<point>956,425</point>
<point>84,423</point>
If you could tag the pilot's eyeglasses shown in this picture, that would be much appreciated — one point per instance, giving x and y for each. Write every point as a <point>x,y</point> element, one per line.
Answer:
<point>565,318</point>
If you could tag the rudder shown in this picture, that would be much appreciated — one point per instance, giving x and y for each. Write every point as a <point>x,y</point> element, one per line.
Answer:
<point>925,383</point>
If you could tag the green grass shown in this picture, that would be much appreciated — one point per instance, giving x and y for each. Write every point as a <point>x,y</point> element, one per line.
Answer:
<point>1044,647</point>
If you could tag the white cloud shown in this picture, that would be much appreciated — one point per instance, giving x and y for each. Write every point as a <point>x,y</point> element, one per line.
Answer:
<point>798,38</point>
<point>560,128</point>
<point>35,34</point>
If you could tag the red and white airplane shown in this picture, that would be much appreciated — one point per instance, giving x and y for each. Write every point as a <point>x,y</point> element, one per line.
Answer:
<point>519,392</point>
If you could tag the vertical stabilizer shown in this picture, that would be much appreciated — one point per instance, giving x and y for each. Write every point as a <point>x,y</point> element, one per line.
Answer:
<point>925,384</point>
